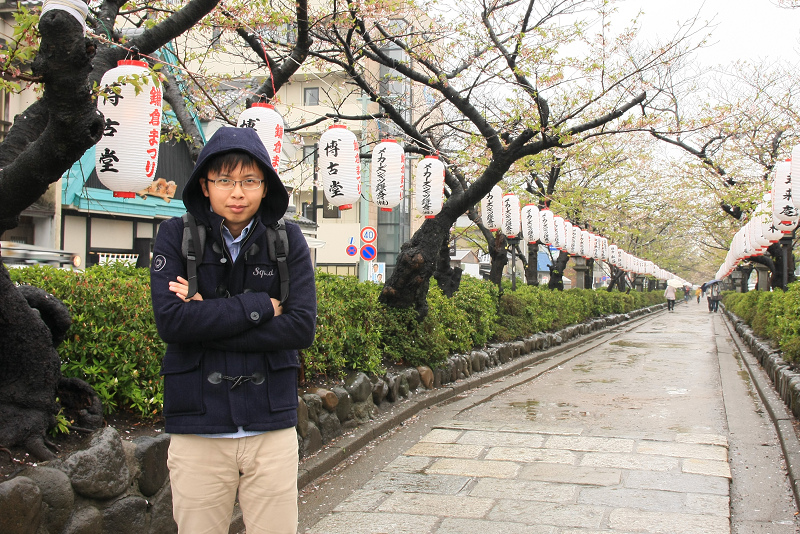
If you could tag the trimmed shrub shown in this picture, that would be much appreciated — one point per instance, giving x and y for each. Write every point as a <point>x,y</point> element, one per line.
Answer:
<point>112,344</point>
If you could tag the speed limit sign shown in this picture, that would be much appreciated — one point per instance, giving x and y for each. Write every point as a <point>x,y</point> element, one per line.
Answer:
<point>368,234</point>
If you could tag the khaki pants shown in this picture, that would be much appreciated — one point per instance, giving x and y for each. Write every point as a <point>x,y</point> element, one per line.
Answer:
<point>205,474</point>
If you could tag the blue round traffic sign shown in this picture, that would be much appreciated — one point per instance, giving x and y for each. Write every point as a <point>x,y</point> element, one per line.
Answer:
<point>368,252</point>
<point>352,250</point>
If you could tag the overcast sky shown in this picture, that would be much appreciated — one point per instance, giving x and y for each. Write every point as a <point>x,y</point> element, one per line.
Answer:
<point>746,29</point>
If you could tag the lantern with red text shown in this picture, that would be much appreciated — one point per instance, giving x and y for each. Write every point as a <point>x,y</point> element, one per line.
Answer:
<point>492,208</point>
<point>429,186</point>
<point>530,223</point>
<point>388,174</point>
<point>268,124</point>
<point>511,215</point>
<point>127,154</point>
<point>340,166</point>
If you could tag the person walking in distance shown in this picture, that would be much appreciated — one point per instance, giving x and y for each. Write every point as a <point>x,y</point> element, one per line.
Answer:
<point>231,363</point>
<point>669,294</point>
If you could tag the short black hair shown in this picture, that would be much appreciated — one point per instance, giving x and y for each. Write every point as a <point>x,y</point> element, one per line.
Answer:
<point>228,161</point>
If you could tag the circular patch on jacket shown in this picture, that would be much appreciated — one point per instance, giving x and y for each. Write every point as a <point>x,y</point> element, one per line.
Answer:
<point>159,262</point>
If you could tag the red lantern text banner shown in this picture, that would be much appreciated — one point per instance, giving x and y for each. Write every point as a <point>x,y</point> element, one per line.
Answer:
<point>340,166</point>
<point>429,186</point>
<point>127,154</point>
<point>387,176</point>
<point>269,126</point>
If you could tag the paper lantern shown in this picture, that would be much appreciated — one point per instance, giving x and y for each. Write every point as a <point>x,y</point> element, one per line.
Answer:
<point>784,211</point>
<point>127,155</point>
<point>511,215</point>
<point>340,166</point>
<point>568,236</point>
<point>269,126</point>
<point>612,255</point>
<point>530,223</point>
<point>794,168</point>
<point>575,241</point>
<point>559,233</point>
<point>492,208</point>
<point>387,176</point>
<point>429,186</point>
<point>546,229</point>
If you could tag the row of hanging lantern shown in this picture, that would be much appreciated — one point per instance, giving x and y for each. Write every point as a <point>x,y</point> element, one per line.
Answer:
<point>503,212</point>
<point>340,168</point>
<point>776,215</point>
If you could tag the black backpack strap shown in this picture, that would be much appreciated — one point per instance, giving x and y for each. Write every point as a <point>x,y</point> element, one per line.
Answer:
<point>278,243</point>
<point>194,242</point>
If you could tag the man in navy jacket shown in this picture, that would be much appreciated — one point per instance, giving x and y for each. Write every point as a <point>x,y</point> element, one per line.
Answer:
<point>230,369</point>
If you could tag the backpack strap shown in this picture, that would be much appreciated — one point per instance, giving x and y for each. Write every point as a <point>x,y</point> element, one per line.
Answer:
<point>194,238</point>
<point>278,243</point>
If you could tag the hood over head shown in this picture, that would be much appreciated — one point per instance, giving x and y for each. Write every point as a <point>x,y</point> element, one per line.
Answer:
<point>229,139</point>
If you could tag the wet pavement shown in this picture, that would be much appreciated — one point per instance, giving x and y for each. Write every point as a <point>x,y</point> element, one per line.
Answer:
<point>652,427</point>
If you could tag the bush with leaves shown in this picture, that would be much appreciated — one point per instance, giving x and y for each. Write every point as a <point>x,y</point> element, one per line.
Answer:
<point>349,328</point>
<point>112,344</point>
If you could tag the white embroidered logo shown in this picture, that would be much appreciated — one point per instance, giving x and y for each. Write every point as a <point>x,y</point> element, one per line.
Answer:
<point>159,262</point>
<point>261,273</point>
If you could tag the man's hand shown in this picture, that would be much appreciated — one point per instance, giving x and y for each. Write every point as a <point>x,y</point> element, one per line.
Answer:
<point>181,289</point>
<point>276,304</point>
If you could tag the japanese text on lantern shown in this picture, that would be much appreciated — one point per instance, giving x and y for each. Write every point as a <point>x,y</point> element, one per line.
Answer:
<point>426,187</point>
<point>380,175</point>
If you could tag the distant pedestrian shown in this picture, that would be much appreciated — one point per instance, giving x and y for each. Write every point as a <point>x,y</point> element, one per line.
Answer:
<point>686,290</point>
<point>669,294</point>
<point>713,297</point>
<point>698,292</point>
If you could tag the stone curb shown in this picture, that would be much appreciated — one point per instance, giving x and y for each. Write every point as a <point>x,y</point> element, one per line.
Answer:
<point>778,408</point>
<point>334,453</point>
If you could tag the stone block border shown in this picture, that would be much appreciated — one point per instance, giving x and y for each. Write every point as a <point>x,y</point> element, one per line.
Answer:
<point>121,487</point>
<point>781,397</point>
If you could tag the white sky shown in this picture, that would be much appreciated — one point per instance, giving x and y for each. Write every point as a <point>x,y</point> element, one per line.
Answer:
<point>746,29</point>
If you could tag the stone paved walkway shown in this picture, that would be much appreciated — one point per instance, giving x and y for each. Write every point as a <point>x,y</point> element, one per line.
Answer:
<point>629,434</point>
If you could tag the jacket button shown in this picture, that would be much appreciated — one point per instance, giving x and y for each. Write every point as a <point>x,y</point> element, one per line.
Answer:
<point>254,316</point>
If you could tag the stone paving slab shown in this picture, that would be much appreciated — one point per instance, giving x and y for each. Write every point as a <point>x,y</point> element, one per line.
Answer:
<point>542,513</point>
<point>439,505</point>
<point>525,490</point>
<point>375,523</point>
<point>595,476</point>
<point>474,468</point>
<point>662,523</point>
<point>463,526</point>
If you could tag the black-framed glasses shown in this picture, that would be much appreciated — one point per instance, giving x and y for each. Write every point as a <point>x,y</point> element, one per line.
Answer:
<point>227,184</point>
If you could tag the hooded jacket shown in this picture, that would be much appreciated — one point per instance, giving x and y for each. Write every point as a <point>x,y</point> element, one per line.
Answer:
<point>229,361</point>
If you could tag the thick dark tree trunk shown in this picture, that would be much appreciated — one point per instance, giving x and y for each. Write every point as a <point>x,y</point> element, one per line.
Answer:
<point>499,257</point>
<point>532,267</point>
<point>447,277</point>
<point>617,279</point>
<point>557,271</point>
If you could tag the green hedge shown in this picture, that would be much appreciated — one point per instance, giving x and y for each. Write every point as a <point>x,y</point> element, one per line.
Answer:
<point>773,315</point>
<point>113,343</point>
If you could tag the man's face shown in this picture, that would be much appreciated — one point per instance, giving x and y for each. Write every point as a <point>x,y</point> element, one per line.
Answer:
<point>238,205</point>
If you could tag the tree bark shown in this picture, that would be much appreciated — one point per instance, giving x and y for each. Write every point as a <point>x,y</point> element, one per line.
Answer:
<point>557,271</point>
<point>447,277</point>
<point>532,267</point>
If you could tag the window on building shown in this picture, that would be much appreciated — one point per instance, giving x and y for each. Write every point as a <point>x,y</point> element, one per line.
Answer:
<point>329,211</point>
<point>308,154</point>
<point>311,96</point>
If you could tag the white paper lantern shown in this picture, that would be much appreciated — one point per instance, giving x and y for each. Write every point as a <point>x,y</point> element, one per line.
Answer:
<point>559,233</point>
<point>784,211</point>
<point>575,241</point>
<point>127,155</point>
<point>568,236</point>
<point>492,208</point>
<point>794,168</point>
<point>429,186</point>
<point>546,227</point>
<point>340,166</point>
<point>269,126</point>
<point>612,255</point>
<point>530,223</point>
<point>511,215</point>
<point>387,174</point>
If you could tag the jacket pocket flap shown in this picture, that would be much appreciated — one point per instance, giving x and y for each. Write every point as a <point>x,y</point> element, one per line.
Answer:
<point>179,362</point>
<point>283,359</point>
